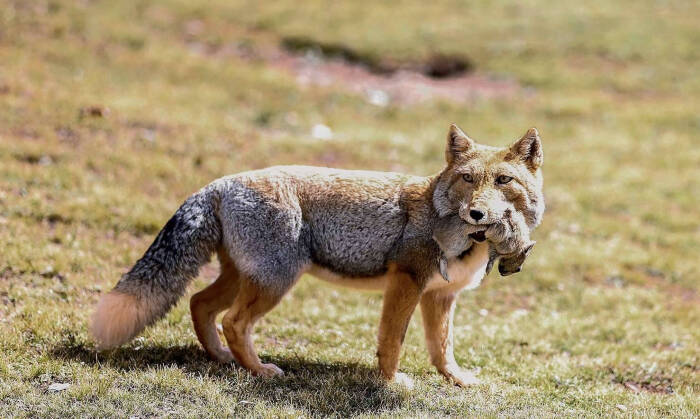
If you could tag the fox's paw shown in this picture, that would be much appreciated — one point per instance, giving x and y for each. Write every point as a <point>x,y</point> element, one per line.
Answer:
<point>460,377</point>
<point>268,371</point>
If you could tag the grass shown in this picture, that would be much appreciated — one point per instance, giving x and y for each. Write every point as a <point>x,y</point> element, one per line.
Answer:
<point>602,322</point>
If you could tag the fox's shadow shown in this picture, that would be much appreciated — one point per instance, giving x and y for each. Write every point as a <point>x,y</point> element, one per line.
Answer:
<point>336,388</point>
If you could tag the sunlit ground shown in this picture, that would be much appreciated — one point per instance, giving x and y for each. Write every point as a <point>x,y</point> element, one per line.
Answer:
<point>112,113</point>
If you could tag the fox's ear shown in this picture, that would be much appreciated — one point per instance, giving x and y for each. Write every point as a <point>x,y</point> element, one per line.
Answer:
<point>457,142</point>
<point>529,149</point>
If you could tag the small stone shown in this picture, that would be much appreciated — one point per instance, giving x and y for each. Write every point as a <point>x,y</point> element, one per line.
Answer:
<point>378,97</point>
<point>322,132</point>
<point>621,407</point>
<point>632,386</point>
<point>55,387</point>
<point>483,312</point>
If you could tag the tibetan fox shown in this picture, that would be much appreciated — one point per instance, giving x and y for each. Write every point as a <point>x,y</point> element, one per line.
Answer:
<point>363,229</point>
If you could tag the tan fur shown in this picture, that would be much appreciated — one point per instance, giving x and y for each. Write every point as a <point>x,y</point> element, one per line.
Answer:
<point>400,299</point>
<point>209,302</point>
<point>438,313</point>
<point>374,283</point>
<point>250,304</point>
<point>118,318</point>
<point>465,273</point>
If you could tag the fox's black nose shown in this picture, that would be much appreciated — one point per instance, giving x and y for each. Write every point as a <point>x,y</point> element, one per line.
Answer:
<point>476,214</point>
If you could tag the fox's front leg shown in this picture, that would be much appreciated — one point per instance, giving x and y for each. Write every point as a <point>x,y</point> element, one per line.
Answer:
<point>438,312</point>
<point>400,300</point>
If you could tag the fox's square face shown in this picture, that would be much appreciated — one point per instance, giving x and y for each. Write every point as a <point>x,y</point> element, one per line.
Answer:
<point>481,183</point>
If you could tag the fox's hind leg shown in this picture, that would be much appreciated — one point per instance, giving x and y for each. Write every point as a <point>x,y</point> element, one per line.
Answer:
<point>209,302</point>
<point>251,303</point>
<point>268,240</point>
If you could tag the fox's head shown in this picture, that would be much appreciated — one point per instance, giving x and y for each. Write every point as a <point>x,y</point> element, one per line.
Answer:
<point>480,182</point>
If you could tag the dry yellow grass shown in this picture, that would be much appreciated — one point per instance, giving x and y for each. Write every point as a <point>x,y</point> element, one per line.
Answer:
<point>111,115</point>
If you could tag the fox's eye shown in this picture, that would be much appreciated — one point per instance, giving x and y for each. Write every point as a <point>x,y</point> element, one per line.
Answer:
<point>503,179</point>
<point>468,177</point>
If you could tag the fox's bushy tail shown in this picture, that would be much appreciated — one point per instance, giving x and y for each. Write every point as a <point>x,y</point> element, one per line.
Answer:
<point>160,277</point>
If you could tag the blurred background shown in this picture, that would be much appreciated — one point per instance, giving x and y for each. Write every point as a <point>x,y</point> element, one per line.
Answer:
<point>112,113</point>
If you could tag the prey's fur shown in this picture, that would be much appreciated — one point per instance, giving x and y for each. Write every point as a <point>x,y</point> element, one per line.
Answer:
<point>358,228</point>
<point>509,240</point>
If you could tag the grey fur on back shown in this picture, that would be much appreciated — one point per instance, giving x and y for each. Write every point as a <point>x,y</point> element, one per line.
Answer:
<point>276,221</point>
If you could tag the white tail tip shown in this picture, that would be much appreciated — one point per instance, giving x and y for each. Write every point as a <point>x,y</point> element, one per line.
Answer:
<point>118,318</point>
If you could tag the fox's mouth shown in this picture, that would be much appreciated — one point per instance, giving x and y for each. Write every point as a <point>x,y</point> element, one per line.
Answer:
<point>479,236</point>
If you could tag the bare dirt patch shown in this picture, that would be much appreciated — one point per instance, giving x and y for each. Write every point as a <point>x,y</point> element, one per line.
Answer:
<point>382,82</point>
<point>636,379</point>
<point>403,87</point>
<point>434,66</point>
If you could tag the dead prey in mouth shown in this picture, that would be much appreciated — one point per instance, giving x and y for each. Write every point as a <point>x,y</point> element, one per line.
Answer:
<point>508,241</point>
